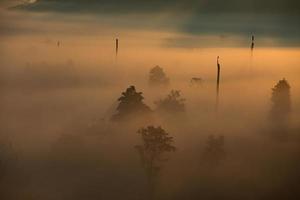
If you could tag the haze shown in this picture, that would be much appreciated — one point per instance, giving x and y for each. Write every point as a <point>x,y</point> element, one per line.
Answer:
<point>61,78</point>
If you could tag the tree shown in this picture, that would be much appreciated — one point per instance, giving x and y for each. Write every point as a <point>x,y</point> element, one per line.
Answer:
<point>214,151</point>
<point>158,77</point>
<point>196,82</point>
<point>155,143</point>
<point>172,103</point>
<point>281,102</point>
<point>130,104</point>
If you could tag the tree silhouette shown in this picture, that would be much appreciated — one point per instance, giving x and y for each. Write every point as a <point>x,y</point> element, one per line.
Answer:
<point>158,77</point>
<point>214,151</point>
<point>196,82</point>
<point>172,103</point>
<point>281,102</point>
<point>156,142</point>
<point>252,43</point>
<point>130,104</point>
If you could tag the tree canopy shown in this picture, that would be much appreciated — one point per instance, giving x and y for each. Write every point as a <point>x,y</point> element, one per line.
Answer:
<point>172,103</point>
<point>158,77</point>
<point>130,104</point>
<point>155,143</point>
<point>281,102</point>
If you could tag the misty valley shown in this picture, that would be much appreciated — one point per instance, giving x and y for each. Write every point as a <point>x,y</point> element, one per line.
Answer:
<point>104,107</point>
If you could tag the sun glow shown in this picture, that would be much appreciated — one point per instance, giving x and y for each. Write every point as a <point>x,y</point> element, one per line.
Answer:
<point>30,1</point>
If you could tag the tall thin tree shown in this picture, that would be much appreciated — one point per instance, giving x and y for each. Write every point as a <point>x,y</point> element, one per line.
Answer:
<point>117,46</point>
<point>218,82</point>
<point>252,48</point>
<point>252,42</point>
<point>156,142</point>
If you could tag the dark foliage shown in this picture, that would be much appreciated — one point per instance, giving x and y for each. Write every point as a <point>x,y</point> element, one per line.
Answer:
<point>158,77</point>
<point>130,104</point>
<point>281,107</point>
<point>155,143</point>
<point>172,103</point>
<point>281,102</point>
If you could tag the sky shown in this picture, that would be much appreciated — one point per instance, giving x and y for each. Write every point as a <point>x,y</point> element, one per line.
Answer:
<point>270,20</point>
<point>178,6</point>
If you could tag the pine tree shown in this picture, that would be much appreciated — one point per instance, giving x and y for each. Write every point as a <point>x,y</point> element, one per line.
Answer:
<point>281,102</point>
<point>130,104</point>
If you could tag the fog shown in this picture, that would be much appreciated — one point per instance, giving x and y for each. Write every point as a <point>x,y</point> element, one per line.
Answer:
<point>58,139</point>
